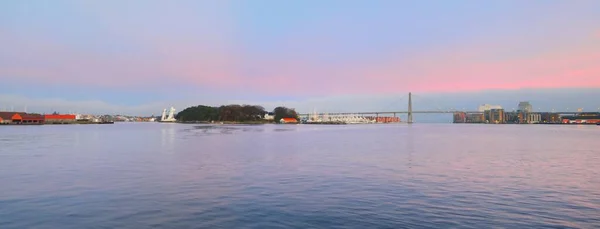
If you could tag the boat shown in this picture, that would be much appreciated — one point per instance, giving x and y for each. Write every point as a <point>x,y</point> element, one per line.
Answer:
<point>582,118</point>
<point>168,118</point>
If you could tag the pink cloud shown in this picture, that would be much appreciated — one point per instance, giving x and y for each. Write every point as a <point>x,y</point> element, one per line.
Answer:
<point>187,62</point>
<point>42,61</point>
<point>451,71</point>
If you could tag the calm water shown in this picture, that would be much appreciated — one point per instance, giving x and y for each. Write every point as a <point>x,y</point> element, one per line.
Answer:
<point>144,175</point>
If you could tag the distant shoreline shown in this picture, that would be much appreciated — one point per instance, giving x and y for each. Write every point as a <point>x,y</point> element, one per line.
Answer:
<point>226,122</point>
<point>568,124</point>
<point>54,124</point>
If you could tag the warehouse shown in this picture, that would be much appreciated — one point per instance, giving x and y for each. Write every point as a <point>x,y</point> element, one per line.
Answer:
<point>21,118</point>
<point>60,119</point>
<point>5,118</point>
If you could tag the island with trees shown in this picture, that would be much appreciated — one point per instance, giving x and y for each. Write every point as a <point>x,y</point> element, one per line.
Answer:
<point>234,113</point>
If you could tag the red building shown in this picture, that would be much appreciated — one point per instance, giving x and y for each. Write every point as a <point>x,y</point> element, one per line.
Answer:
<point>288,120</point>
<point>5,119</point>
<point>58,116</point>
<point>60,119</point>
<point>20,118</point>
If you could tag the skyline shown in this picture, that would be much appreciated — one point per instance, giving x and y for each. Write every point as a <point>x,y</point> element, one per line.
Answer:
<point>548,100</point>
<point>143,56</point>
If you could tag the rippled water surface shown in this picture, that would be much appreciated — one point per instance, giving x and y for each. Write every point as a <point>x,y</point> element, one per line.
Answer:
<point>144,175</point>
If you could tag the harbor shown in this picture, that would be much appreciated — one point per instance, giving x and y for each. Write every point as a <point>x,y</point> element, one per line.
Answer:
<point>337,119</point>
<point>24,118</point>
<point>256,114</point>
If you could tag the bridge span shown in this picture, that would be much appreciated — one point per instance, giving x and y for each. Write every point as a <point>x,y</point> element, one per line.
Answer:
<point>392,112</point>
<point>410,112</point>
<point>419,112</point>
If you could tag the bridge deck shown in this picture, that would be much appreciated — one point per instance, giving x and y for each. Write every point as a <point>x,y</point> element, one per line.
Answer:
<point>416,112</point>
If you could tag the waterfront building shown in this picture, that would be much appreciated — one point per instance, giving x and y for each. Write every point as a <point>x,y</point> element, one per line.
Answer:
<point>21,118</point>
<point>459,117</point>
<point>534,118</point>
<point>60,119</point>
<point>5,118</point>
<point>546,117</point>
<point>511,117</point>
<point>525,118</point>
<point>494,116</point>
<point>525,107</point>
<point>462,117</point>
<point>288,120</point>
<point>554,118</point>
<point>475,118</point>
<point>269,116</point>
<point>522,117</point>
<point>487,107</point>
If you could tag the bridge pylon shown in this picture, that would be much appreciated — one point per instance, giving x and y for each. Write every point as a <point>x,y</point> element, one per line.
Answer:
<point>410,113</point>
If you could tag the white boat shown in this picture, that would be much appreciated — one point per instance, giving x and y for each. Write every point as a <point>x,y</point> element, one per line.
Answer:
<point>170,117</point>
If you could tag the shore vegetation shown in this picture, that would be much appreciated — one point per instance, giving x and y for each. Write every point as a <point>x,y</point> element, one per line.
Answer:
<point>233,113</point>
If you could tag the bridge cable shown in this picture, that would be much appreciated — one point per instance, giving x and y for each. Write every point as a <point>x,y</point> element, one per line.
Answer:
<point>433,102</point>
<point>393,103</point>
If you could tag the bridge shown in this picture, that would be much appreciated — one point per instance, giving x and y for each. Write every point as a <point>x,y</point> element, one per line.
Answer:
<point>410,112</point>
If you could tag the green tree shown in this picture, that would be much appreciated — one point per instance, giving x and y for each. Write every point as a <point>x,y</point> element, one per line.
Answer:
<point>284,112</point>
<point>241,113</point>
<point>231,113</point>
<point>198,113</point>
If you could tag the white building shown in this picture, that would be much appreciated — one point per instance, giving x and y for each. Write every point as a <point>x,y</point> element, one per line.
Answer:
<point>525,107</point>
<point>535,118</point>
<point>487,107</point>
<point>269,116</point>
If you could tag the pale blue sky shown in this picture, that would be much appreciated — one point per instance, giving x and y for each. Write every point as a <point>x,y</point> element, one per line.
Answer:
<point>139,53</point>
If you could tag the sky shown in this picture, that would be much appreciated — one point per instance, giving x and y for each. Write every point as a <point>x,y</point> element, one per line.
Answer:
<point>137,57</point>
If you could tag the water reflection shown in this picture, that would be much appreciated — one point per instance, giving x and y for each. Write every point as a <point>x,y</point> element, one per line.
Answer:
<point>410,141</point>
<point>168,136</point>
<point>300,176</point>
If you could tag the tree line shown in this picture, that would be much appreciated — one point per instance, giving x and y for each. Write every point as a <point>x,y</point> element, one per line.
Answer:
<point>232,113</point>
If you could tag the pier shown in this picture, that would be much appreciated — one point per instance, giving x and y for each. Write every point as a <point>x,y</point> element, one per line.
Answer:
<point>23,118</point>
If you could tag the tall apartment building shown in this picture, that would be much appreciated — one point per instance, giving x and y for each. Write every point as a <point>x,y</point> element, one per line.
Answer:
<point>525,107</point>
<point>494,116</point>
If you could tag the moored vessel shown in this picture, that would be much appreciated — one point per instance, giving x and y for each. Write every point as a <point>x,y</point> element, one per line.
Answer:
<point>168,118</point>
<point>582,118</point>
